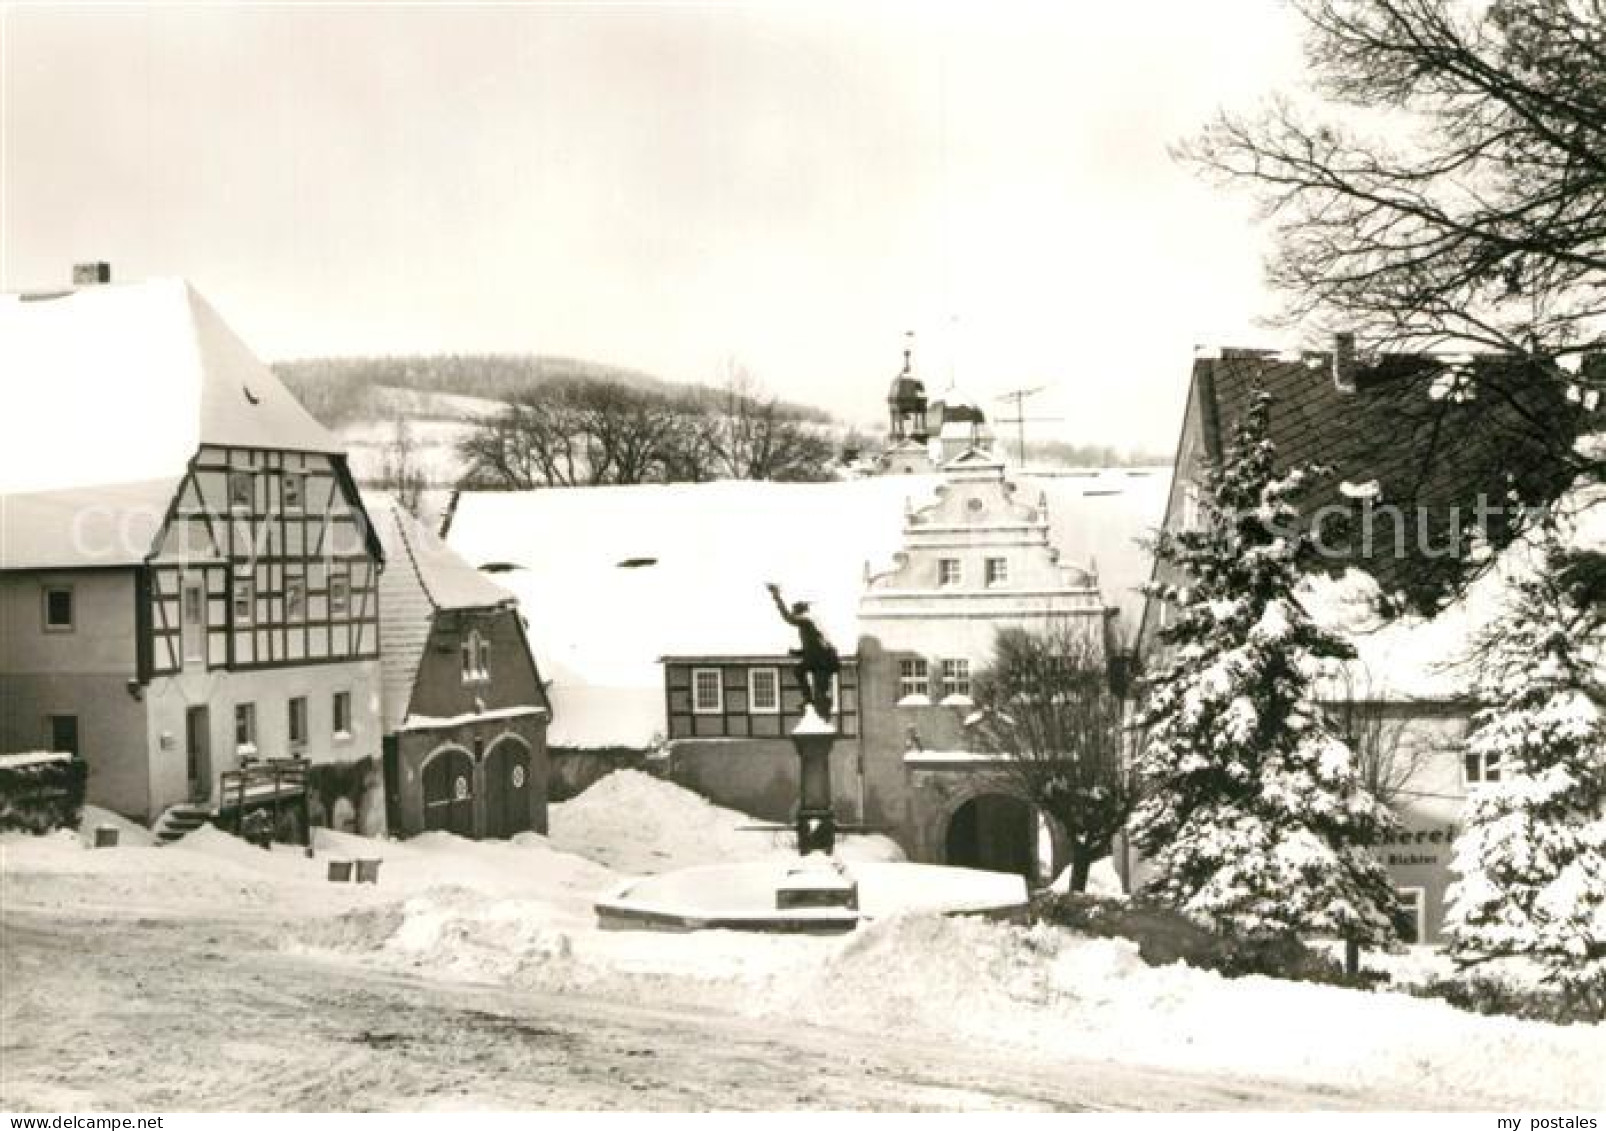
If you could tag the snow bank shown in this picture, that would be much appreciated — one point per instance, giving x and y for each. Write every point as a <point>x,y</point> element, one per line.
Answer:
<point>1102,880</point>
<point>1050,989</point>
<point>636,823</point>
<point>519,913</point>
<point>129,834</point>
<point>937,979</point>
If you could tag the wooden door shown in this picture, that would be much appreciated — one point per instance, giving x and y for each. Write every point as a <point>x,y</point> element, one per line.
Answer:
<point>507,790</point>
<point>449,793</point>
<point>198,752</point>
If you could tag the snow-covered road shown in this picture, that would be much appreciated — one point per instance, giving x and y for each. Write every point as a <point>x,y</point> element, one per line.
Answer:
<point>135,1012</point>
<point>212,974</point>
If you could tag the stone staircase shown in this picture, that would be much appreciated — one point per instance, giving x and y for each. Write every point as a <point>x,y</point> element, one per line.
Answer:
<point>178,821</point>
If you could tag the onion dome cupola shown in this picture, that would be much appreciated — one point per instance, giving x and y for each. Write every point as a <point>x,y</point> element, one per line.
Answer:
<point>906,400</point>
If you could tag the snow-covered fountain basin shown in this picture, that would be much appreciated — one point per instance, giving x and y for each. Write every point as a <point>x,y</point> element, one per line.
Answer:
<point>742,897</point>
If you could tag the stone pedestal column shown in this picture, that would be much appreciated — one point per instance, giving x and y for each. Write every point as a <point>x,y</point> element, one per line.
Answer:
<point>813,739</point>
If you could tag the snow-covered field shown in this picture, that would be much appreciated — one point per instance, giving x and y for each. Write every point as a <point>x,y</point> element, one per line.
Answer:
<point>519,915</point>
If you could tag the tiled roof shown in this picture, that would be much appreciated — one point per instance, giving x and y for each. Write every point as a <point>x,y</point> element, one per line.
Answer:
<point>137,376</point>
<point>422,575</point>
<point>83,527</point>
<point>1430,454</point>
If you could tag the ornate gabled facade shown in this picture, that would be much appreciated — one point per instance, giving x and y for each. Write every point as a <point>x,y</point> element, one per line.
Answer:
<point>976,560</point>
<point>204,634</point>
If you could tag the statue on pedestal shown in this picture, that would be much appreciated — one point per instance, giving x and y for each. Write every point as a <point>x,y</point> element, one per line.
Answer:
<point>818,661</point>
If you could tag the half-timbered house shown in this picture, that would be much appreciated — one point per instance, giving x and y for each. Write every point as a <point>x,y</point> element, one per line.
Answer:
<point>188,579</point>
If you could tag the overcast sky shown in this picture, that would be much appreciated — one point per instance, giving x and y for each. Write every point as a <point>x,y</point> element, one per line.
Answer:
<point>666,186</point>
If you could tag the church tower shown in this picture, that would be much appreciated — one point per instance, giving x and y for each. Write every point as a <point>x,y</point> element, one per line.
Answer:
<point>906,401</point>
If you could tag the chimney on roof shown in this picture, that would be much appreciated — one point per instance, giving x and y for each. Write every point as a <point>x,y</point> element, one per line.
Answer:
<point>91,274</point>
<point>1344,361</point>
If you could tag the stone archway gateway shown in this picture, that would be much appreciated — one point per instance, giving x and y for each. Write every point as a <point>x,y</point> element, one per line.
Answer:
<point>448,776</point>
<point>996,832</point>
<point>507,787</point>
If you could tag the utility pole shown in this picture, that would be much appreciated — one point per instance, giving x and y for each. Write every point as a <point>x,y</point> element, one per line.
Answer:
<point>1020,419</point>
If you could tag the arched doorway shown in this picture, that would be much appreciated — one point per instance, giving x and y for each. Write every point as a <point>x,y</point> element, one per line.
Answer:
<point>449,792</point>
<point>997,833</point>
<point>507,787</point>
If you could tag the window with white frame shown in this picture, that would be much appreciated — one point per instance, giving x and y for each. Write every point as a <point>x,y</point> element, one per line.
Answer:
<point>58,608</point>
<point>955,678</point>
<point>707,691</point>
<point>295,597</point>
<point>1410,906</point>
<point>914,678</point>
<point>997,572</point>
<point>244,600</point>
<point>245,728</point>
<point>949,572</point>
<point>1479,769</point>
<point>764,691</point>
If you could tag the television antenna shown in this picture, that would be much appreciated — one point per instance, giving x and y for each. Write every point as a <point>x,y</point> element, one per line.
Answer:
<point>1020,420</point>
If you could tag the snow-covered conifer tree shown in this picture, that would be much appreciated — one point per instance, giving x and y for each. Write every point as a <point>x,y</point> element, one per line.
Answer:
<point>1531,859</point>
<point>1254,819</point>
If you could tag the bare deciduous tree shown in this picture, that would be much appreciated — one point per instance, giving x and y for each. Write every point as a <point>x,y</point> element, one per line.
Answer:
<point>1045,704</point>
<point>400,473</point>
<point>1447,190</point>
<point>582,433</point>
<point>752,436</point>
<point>1389,760</point>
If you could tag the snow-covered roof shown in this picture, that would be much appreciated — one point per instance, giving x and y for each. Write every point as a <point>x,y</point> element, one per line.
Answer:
<point>114,525</point>
<point>1431,658</point>
<point>422,576</point>
<point>446,580</point>
<point>958,429</point>
<point>614,578</point>
<point>123,383</point>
